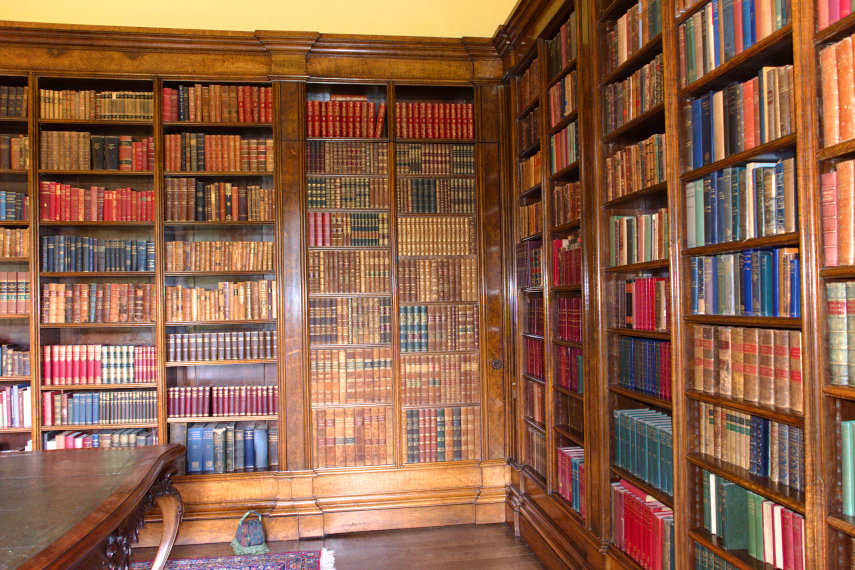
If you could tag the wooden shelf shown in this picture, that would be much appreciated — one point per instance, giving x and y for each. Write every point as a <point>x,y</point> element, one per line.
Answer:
<point>14,223</point>
<point>839,150</point>
<point>16,379</point>
<point>95,427</point>
<point>580,441</point>
<point>533,290</point>
<point>566,288</point>
<point>566,172</point>
<point>532,237</point>
<point>565,120</point>
<point>317,406</point>
<point>568,392</point>
<point>623,558</point>
<point>777,145</point>
<point>149,324</point>
<point>96,274</point>
<point>644,398</point>
<point>219,419</point>
<point>224,362</point>
<point>14,317</point>
<point>614,9</point>
<point>738,558</point>
<point>567,227</point>
<point>635,60</point>
<point>790,498</point>
<point>662,335</point>
<point>530,192</point>
<point>759,410</point>
<point>567,68</point>
<point>536,425</point>
<point>836,31</point>
<point>91,223</point>
<point>315,346</point>
<point>14,260</point>
<point>203,124</point>
<point>371,296</point>
<point>415,176</point>
<point>743,321</point>
<point>99,387</point>
<point>137,173</point>
<point>641,124</point>
<point>570,343</point>
<point>419,352</point>
<point>223,322</point>
<point>420,406</point>
<point>565,505</point>
<point>842,523</point>
<point>533,379</point>
<point>238,224</point>
<point>403,214</point>
<point>657,494</point>
<point>532,336</point>
<point>14,171</point>
<point>15,120</point>
<point>528,107</point>
<point>99,122</point>
<point>430,140</point>
<point>689,12</point>
<point>219,174</point>
<point>216,273</point>
<point>838,272</point>
<point>780,240</point>
<point>16,430</point>
<point>754,57</point>
<point>652,190</point>
<point>655,265</point>
<point>351,248</point>
<point>529,150</point>
<point>841,392</point>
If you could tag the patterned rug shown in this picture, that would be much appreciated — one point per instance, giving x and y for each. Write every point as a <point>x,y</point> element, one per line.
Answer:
<point>317,560</point>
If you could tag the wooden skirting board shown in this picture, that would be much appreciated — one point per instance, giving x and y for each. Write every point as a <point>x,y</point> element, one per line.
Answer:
<point>312,504</point>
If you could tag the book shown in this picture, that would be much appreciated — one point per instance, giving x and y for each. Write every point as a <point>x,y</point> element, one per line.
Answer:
<point>352,157</point>
<point>218,256</point>
<point>336,229</point>
<point>63,202</point>
<point>81,150</point>
<point>564,148</point>
<point>202,152</point>
<point>93,408</point>
<point>436,195</point>
<point>217,103</point>
<point>223,345</point>
<point>571,477</point>
<point>92,105</point>
<point>221,401</point>
<point>426,158</point>
<point>643,365</point>
<point>631,31</point>
<point>641,526</point>
<point>355,192</point>
<point>436,236</point>
<point>228,301</point>
<point>361,320</point>
<point>443,279</point>
<point>631,98</point>
<point>633,167</point>
<point>61,253</point>
<point>458,428</point>
<point>641,303</point>
<point>644,446</point>
<point>638,238</point>
<point>14,152</point>
<point>352,437</point>
<point>14,101</point>
<point>364,375</point>
<point>566,202</point>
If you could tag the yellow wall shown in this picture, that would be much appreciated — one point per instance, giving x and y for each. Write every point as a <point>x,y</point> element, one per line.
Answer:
<point>445,18</point>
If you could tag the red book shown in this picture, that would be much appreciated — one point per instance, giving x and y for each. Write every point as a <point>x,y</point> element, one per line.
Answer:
<point>845,212</point>
<point>829,217</point>
<point>845,88</point>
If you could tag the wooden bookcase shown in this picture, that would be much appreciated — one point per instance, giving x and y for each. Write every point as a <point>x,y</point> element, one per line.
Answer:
<point>299,496</point>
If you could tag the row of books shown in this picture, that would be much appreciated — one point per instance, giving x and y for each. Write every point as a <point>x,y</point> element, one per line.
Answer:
<point>439,379</point>
<point>529,130</point>
<point>719,31</point>
<point>642,303</point>
<point>761,366</point>
<point>753,283</point>
<point>231,447</point>
<point>436,236</point>
<point>534,403</point>
<point>436,196</point>
<point>571,477</point>
<point>706,559</point>
<point>14,243</point>
<point>218,103</point>
<point>528,258</point>
<point>14,360</point>
<point>433,280</point>
<point>138,437</point>
<point>536,446</point>
<point>349,271</point>
<point>566,202</point>
<point>76,150</point>
<point>744,520</point>
<point>192,200</point>
<point>740,116</point>
<point>363,193</point>
<point>569,313</point>
<point>641,23</point>
<point>838,215</point>
<point>561,49</point>
<point>562,98</point>
<point>642,527</point>
<point>841,327</point>
<point>188,152</point>
<point>533,317</point>
<point>219,255</point>
<point>642,365</point>
<point>442,434</point>
<point>564,147</point>
<point>14,152</point>
<point>61,253</point>
<point>438,328</point>
<point>630,98</point>
<point>88,364</point>
<point>569,415</point>
<point>435,158</point>
<point>97,303</point>
<point>347,157</point>
<point>235,301</point>
<point>528,84</point>
<point>351,437</point>
<point>644,446</point>
<point>768,449</point>
<point>351,376</point>
<point>434,120</point>
<point>60,202</point>
<point>533,356</point>
<point>639,238</point>
<point>531,219</point>
<point>830,11</point>
<point>93,408</point>
<point>634,167</point>
<point>358,229</point>
<point>221,345</point>
<point>14,292</point>
<point>742,202</point>
<point>345,116</point>
<point>16,406</point>
<point>221,401</point>
<point>836,84</point>
<point>14,101</point>
<point>350,321</point>
<point>530,172</point>
<point>569,371</point>
<point>91,105</point>
<point>14,206</point>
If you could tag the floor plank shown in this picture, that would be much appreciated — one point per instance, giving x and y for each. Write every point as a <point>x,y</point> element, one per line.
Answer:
<point>490,546</point>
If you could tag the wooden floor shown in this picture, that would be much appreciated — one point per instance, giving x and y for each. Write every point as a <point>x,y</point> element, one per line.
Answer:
<point>466,546</point>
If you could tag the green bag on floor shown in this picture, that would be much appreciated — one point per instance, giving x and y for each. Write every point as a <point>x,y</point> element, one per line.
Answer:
<point>249,538</point>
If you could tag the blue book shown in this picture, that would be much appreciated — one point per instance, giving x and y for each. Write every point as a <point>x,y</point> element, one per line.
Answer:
<point>716,47</point>
<point>796,288</point>
<point>2,204</point>
<point>249,446</point>
<point>747,24</point>
<point>747,307</point>
<point>725,206</point>
<point>776,285</point>
<point>141,255</point>
<point>796,457</point>
<point>710,209</point>
<point>208,448</point>
<point>711,284</point>
<point>783,454</point>
<point>693,272</point>
<point>728,25</point>
<point>261,446</point>
<point>766,291</point>
<point>194,448</point>
<point>697,133</point>
<point>737,192</point>
<point>92,301</point>
<point>706,128</point>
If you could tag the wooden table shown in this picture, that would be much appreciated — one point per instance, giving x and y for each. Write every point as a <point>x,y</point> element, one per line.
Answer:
<point>84,508</point>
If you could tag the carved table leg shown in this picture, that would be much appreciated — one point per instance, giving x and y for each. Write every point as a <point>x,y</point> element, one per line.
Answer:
<point>173,511</point>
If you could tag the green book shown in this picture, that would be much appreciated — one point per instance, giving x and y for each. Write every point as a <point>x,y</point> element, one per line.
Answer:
<point>838,342</point>
<point>705,476</point>
<point>759,550</point>
<point>846,466</point>
<point>735,516</point>
<point>219,438</point>
<point>751,510</point>
<point>239,451</point>
<point>230,447</point>
<point>850,331</point>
